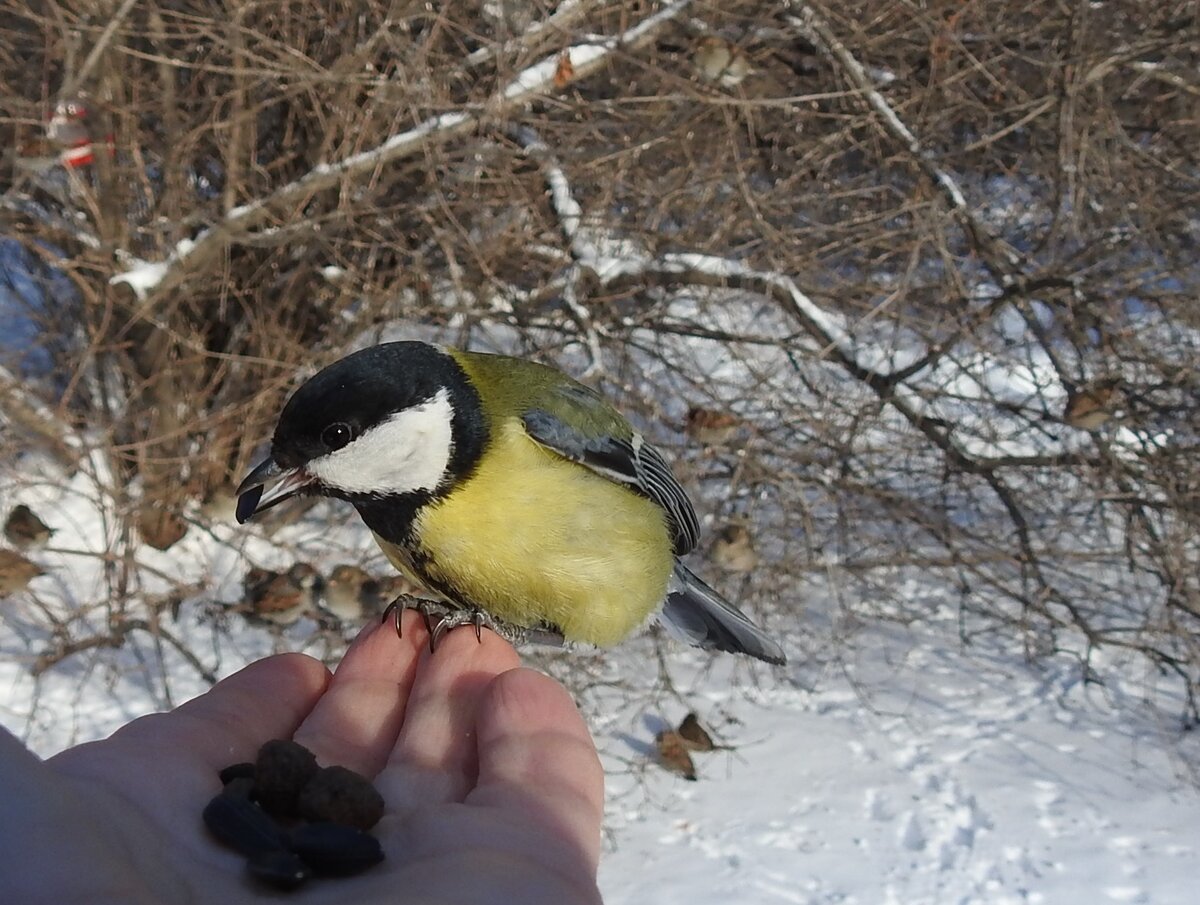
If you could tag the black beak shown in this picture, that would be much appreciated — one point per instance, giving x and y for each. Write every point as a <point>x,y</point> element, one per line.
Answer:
<point>267,485</point>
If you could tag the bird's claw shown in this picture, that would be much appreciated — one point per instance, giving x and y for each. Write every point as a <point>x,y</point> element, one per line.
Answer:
<point>427,608</point>
<point>453,619</point>
<point>449,618</point>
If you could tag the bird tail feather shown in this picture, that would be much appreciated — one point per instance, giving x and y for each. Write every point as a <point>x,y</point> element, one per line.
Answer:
<point>702,617</point>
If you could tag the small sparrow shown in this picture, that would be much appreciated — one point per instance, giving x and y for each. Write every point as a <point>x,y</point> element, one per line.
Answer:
<point>733,550</point>
<point>693,735</point>
<point>351,594</point>
<point>1091,406</point>
<point>25,530</point>
<point>281,598</point>
<point>711,427</point>
<point>673,754</point>
<point>720,61</point>
<point>16,572</point>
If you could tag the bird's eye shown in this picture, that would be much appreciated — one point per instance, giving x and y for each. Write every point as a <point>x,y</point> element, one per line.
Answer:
<point>337,435</point>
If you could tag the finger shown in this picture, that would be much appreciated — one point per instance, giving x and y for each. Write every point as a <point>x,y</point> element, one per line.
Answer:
<point>356,722</point>
<point>225,725</point>
<point>265,700</point>
<point>537,756</point>
<point>434,760</point>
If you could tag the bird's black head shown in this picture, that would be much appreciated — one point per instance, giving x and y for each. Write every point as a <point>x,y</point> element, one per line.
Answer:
<point>392,422</point>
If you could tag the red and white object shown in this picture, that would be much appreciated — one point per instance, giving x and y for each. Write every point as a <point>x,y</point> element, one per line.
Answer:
<point>68,128</point>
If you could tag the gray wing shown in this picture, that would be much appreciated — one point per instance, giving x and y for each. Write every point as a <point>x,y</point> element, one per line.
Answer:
<point>633,462</point>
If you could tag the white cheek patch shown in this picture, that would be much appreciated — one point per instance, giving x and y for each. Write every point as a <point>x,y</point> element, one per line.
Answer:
<point>409,451</point>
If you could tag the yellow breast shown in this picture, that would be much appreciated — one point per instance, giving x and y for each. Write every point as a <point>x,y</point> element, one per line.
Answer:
<point>532,537</point>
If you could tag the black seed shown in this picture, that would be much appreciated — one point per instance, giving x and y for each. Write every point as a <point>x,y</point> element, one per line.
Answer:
<point>283,870</point>
<point>242,825</point>
<point>242,787</point>
<point>247,503</point>
<point>334,850</point>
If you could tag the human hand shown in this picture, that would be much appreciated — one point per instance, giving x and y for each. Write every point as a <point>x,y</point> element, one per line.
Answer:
<point>492,786</point>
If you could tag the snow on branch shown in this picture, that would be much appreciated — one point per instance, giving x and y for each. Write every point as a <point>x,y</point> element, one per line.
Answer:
<point>819,323</point>
<point>833,340</point>
<point>154,279</point>
<point>599,249</point>
<point>593,247</point>
<point>608,256</point>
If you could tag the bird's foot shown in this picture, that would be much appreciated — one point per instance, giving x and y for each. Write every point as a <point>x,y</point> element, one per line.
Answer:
<point>440,620</point>
<point>454,618</point>
<point>427,608</point>
<point>480,619</point>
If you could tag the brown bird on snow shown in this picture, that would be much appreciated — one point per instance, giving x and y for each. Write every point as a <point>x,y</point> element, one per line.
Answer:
<point>673,754</point>
<point>693,735</point>
<point>16,572</point>
<point>733,550</point>
<point>281,598</point>
<point>720,61</point>
<point>25,530</point>
<point>1091,406</point>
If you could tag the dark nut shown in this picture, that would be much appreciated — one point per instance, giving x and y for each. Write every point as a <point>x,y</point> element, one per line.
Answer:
<point>281,771</point>
<point>342,796</point>
<point>283,870</point>
<point>334,850</point>
<point>242,825</point>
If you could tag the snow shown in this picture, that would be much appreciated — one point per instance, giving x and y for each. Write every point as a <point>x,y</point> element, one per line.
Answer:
<point>142,276</point>
<point>907,769</point>
<point>885,764</point>
<point>540,76</point>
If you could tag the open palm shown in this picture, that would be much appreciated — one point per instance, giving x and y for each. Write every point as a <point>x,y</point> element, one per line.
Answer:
<point>492,787</point>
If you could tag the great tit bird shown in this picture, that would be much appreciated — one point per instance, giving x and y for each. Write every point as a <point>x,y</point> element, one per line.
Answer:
<point>507,489</point>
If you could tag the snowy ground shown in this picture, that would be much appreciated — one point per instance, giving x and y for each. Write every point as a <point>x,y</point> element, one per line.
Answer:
<point>890,766</point>
<point>917,772</point>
